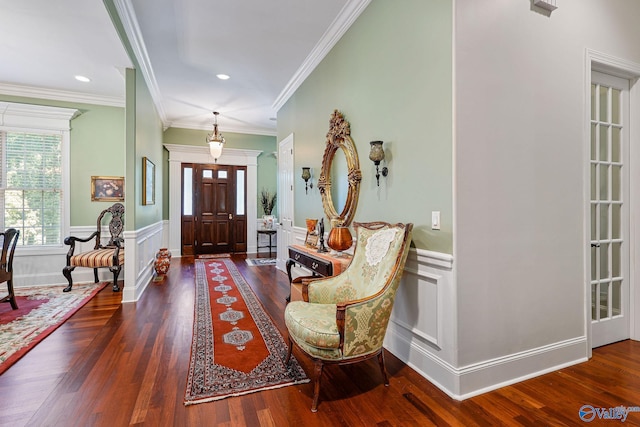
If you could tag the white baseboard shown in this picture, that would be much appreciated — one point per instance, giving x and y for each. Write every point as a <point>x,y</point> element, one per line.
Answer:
<point>469,381</point>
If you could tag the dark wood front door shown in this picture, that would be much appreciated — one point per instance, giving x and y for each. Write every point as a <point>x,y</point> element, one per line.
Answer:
<point>218,223</point>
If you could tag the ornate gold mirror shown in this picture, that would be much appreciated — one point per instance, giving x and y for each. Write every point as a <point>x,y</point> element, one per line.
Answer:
<point>339,138</point>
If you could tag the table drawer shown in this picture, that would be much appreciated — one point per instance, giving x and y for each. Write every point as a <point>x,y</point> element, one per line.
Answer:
<point>321,266</point>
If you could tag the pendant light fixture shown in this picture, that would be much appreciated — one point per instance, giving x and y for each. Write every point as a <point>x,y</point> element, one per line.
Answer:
<point>215,140</point>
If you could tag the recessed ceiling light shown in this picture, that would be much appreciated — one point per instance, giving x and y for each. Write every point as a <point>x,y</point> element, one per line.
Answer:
<point>222,76</point>
<point>83,79</point>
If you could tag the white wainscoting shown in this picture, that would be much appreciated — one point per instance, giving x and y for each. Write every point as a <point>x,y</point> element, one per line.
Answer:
<point>423,323</point>
<point>44,266</point>
<point>142,246</point>
<point>37,267</point>
<point>422,333</point>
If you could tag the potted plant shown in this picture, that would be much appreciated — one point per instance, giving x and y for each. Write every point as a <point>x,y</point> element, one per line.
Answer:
<point>268,202</point>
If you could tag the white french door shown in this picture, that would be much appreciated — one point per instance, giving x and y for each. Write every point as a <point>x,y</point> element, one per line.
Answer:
<point>609,209</point>
<point>285,200</point>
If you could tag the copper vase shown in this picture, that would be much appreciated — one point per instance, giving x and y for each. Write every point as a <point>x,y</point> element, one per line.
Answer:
<point>340,239</point>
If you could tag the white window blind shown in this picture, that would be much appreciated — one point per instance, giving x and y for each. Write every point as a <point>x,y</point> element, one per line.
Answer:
<point>34,173</point>
<point>31,191</point>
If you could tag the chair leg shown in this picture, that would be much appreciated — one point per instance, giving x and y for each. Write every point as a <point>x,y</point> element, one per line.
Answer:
<point>12,297</point>
<point>316,385</point>
<point>289,350</point>
<point>116,273</point>
<point>67,273</point>
<point>95,275</point>
<point>382,367</point>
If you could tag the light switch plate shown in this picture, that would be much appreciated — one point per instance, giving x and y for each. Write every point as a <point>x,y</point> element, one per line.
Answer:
<point>435,220</point>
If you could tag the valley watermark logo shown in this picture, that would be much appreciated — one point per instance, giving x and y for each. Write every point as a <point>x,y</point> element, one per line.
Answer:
<point>589,413</point>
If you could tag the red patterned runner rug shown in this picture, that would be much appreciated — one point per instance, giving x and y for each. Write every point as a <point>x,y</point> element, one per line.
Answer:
<point>236,347</point>
<point>41,310</point>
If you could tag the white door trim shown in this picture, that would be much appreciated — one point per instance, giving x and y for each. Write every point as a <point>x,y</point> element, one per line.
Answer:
<point>179,154</point>
<point>285,199</point>
<point>598,61</point>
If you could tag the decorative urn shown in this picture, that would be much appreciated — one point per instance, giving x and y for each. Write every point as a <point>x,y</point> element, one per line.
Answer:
<point>162,262</point>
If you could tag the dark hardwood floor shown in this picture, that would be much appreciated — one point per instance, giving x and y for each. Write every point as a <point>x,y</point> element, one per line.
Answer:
<point>119,365</point>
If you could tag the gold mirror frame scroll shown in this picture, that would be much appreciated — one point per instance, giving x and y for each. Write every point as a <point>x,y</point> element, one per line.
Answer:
<point>339,137</point>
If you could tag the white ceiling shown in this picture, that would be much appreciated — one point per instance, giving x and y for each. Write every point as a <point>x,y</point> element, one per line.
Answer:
<point>267,47</point>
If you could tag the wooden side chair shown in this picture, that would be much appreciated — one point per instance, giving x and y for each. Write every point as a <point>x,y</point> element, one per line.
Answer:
<point>343,319</point>
<point>9,240</point>
<point>109,256</point>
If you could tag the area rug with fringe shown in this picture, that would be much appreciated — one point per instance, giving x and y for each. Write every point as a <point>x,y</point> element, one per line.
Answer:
<point>41,310</point>
<point>208,256</point>
<point>259,262</point>
<point>236,347</point>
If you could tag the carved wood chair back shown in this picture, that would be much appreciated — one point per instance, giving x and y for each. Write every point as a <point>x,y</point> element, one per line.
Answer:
<point>9,241</point>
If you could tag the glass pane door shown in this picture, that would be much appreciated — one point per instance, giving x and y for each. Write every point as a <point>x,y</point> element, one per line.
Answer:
<point>609,287</point>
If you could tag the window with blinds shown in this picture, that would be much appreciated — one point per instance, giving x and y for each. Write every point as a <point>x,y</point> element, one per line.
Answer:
<point>31,191</point>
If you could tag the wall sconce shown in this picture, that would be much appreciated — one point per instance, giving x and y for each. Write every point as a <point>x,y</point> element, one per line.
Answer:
<point>306,175</point>
<point>376,156</point>
<point>549,5</point>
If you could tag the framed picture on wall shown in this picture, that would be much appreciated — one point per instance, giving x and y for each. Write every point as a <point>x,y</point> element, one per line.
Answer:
<point>148,182</point>
<point>107,188</point>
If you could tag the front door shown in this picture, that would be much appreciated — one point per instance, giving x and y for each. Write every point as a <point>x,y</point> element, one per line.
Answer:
<point>218,223</point>
<point>609,207</point>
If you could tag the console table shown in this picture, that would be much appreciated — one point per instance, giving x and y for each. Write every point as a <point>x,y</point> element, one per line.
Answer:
<point>320,264</point>
<point>270,233</point>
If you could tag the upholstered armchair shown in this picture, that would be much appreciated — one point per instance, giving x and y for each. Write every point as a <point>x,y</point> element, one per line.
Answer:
<point>343,319</point>
<point>109,256</point>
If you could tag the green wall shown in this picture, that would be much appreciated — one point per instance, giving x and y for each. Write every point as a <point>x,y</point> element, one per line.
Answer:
<point>147,142</point>
<point>391,77</point>
<point>267,163</point>
<point>97,148</point>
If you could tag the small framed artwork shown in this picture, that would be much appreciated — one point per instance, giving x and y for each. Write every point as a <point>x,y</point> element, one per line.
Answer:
<point>107,188</point>
<point>311,241</point>
<point>148,182</point>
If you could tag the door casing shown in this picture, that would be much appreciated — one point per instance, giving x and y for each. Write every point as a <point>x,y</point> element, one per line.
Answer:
<point>179,154</point>
<point>285,200</point>
<point>605,63</point>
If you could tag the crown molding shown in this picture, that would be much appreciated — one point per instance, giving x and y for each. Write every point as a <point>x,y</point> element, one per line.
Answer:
<point>60,95</point>
<point>200,154</point>
<point>127,16</point>
<point>36,116</point>
<point>340,25</point>
<point>605,63</point>
<point>226,129</point>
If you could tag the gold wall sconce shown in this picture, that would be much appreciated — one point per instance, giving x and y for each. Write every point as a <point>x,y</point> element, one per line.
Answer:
<point>306,175</point>
<point>376,155</point>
